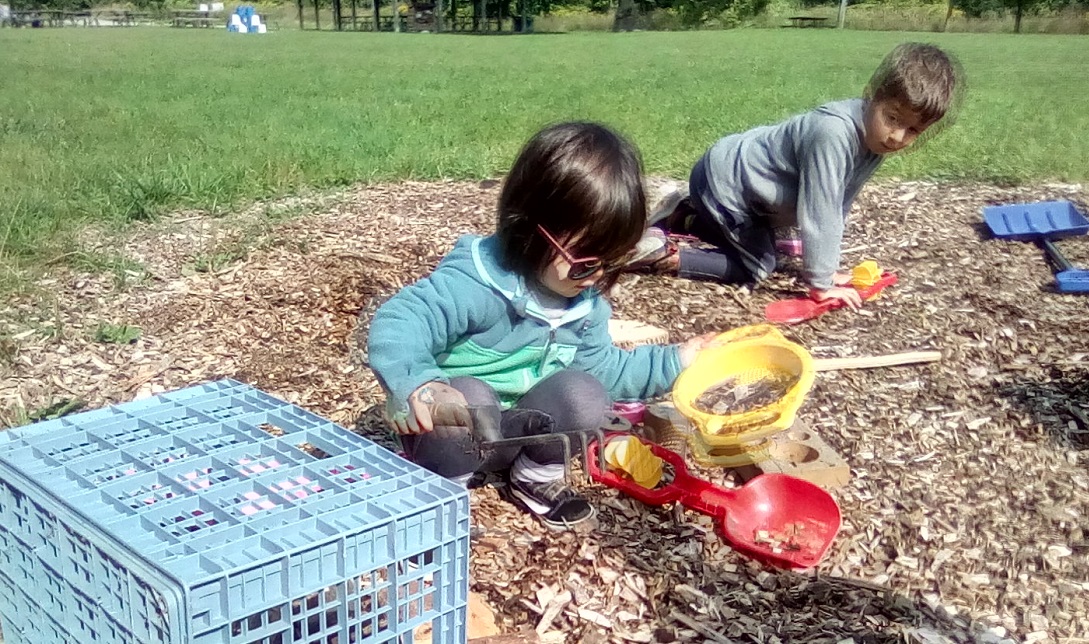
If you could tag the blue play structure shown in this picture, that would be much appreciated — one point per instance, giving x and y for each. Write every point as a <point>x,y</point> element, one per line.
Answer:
<point>245,20</point>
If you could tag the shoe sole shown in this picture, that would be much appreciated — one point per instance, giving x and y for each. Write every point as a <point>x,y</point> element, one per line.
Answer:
<point>643,257</point>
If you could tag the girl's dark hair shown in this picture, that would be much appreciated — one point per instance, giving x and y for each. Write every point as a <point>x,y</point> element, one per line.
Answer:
<point>582,182</point>
<point>930,81</point>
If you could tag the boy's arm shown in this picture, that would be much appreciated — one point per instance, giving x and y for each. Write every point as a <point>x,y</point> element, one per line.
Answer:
<point>638,374</point>
<point>824,163</point>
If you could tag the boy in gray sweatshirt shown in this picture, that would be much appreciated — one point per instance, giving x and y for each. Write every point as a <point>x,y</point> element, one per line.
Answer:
<point>804,172</point>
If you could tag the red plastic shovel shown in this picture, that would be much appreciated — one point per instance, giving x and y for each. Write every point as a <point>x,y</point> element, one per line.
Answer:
<point>802,309</point>
<point>781,520</point>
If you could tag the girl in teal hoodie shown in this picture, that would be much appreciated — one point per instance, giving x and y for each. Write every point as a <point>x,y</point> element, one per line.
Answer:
<point>516,322</point>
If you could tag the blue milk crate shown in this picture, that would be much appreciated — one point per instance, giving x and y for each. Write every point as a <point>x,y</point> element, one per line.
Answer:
<point>220,514</point>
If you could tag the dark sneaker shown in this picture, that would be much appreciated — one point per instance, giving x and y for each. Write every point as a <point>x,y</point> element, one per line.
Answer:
<point>555,503</point>
<point>674,214</point>
<point>652,251</point>
<point>667,206</point>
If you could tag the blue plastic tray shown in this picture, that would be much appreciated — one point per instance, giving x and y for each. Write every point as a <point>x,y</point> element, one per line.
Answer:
<point>1026,222</point>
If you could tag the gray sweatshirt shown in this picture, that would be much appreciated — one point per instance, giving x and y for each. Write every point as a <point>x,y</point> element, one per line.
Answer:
<point>804,172</point>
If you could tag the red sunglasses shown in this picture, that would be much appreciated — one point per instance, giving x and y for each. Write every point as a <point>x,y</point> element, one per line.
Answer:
<point>581,267</point>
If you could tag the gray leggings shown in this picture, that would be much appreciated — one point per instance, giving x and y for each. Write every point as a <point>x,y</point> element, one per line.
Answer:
<point>566,401</point>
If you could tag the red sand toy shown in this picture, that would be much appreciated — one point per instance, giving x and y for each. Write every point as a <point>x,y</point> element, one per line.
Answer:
<point>804,308</point>
<point>775,518</point>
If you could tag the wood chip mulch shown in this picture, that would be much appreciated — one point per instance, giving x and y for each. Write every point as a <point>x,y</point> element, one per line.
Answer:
<point>966,514</point>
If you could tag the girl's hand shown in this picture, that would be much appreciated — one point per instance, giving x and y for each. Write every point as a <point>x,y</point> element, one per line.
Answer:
<point>690,349</point>
<point>846,294</point>
<point>432,403</point>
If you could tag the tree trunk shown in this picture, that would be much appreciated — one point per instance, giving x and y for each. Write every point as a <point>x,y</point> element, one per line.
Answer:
<point>1017,17</point>
<point>627,16</point>
<point>948,15</point>
<point>842,19</point>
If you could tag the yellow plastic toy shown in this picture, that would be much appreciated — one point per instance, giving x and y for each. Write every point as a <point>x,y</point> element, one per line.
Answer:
<point>635,460</point>
<point>754,358</point>
<point>865,274</point>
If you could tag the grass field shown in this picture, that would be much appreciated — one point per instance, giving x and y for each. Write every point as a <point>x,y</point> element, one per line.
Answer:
<point>118,125</point>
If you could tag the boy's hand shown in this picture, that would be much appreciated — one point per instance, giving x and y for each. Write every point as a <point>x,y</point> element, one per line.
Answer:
<point>690,349</point>
<point>433,403</point>
<point>842,279</point>
<point>845,294</point>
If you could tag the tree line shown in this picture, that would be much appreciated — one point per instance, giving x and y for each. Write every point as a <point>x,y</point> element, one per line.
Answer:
<point>689,12</point>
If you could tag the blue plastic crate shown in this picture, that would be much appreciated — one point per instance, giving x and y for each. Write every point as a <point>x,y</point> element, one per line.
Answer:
<point>219,513</point>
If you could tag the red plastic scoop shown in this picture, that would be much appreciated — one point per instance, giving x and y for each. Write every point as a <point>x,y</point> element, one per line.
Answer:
<point>802,309</point>
<point>781,520</point>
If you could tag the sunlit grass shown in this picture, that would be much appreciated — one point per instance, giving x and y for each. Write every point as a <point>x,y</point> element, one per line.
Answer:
<point>117,125</point>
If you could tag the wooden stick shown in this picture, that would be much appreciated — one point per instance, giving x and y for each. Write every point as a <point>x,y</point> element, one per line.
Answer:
<point>871,362</point>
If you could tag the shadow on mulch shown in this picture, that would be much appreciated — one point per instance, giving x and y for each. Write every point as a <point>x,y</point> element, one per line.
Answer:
<point>983,232</point>
<point>1059,405</point>
<point>870,603</point>
<point>371,424</point>
<point>748,603</point>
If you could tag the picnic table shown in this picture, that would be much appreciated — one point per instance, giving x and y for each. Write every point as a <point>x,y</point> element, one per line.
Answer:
<point>195,18</point>
<point>807,21</point>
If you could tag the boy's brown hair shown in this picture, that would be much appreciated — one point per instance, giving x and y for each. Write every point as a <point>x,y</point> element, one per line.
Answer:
<point>922,76</point>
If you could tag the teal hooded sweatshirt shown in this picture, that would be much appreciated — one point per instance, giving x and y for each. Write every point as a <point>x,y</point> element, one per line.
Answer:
<point>471,317</point>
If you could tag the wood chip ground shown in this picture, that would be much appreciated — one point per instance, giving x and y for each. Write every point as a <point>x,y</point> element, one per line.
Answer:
<point>966,515</point>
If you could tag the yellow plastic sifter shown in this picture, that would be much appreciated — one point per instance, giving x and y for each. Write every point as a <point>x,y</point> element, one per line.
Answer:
<point>742,392</point>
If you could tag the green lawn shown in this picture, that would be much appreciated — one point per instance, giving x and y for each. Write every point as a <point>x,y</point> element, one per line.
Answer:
<point>118,124</point>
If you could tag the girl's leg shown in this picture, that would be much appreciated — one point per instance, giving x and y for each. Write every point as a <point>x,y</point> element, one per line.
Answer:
<point>574,401</point>
<point>450,451</point>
